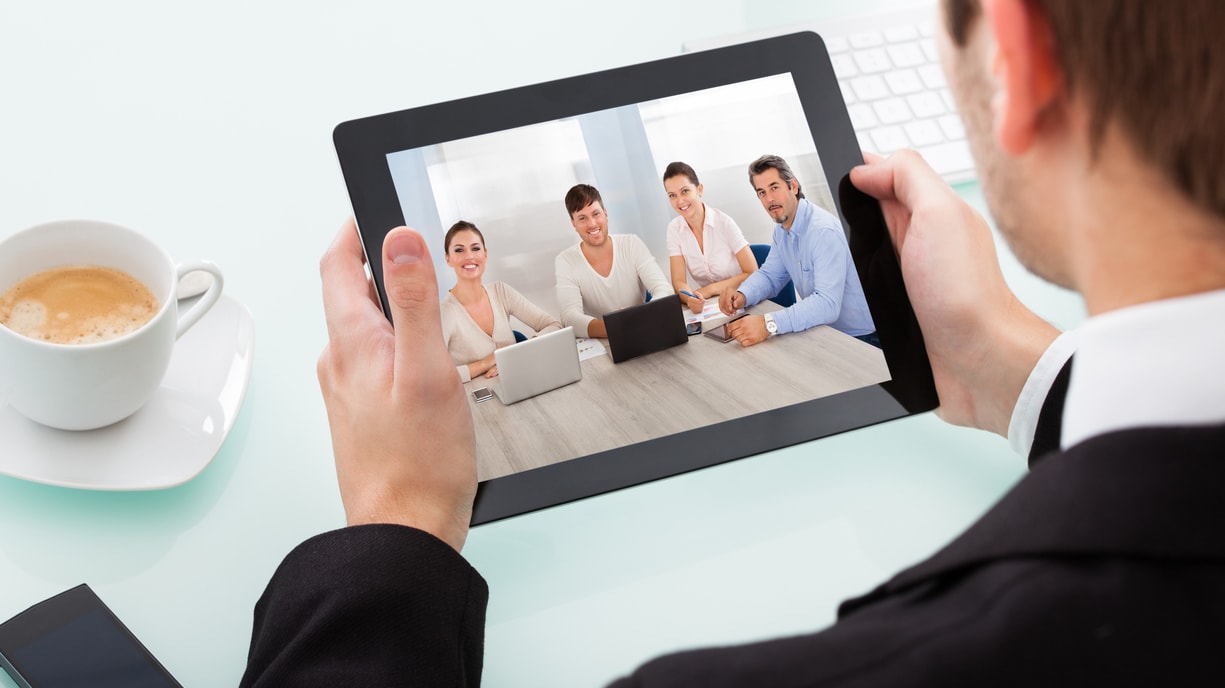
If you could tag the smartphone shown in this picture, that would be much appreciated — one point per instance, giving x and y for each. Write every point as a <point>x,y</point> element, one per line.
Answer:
<point>73,639</point>
<point>482,394</point>
<point>720,333</point>
<point>692,328</point>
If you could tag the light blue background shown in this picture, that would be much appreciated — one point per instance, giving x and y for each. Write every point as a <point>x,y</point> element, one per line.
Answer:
<point>209,127</point>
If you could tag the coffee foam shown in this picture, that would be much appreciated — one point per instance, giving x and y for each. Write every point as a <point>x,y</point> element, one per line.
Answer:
<point>77,305</point>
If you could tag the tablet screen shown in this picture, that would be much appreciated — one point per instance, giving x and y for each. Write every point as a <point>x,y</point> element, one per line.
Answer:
<point>505,162</point>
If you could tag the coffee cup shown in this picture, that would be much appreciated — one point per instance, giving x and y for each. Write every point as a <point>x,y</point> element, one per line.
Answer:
<point>82,386</point>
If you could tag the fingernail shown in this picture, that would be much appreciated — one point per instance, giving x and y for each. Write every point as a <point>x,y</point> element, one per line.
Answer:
<point>404,248</point>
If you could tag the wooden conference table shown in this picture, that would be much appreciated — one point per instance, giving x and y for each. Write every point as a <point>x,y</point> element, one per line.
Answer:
<point>690,386</point>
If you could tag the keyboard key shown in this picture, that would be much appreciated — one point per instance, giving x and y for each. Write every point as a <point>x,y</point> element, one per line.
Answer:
<point>870,88</point>
<point>892,111</point>
<point>953,127</point>
<point>903,82</point>
<point>906,55</point>
<point>872,61</point>
<point>927,28</point>
<point>886,140</point>
<point>862,117</point>
<point>948,158</point>
<point>930,50</point>
<point>898,34</point>
<point>867,39</point>
<point>932,76</point>
<point>844,66</point>
<point>926,104</point>
<point>923,133</point>
<point>836,45</point>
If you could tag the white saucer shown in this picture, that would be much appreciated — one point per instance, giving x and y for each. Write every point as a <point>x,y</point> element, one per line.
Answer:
<point>168,441</point>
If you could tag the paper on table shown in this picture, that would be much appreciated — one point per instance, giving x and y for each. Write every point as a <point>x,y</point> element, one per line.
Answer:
<point>589,348</point>
<point>710,310</point>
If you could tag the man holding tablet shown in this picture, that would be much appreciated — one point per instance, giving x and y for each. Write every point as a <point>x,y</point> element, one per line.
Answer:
<point>808,249</point>
<point>1104,566</point>
<point>603,272</point>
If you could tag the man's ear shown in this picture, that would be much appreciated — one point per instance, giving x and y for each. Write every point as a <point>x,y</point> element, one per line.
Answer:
<point>1025,70</point>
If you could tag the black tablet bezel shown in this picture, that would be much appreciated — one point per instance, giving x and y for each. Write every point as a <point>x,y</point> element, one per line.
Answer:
<point>362,147</point>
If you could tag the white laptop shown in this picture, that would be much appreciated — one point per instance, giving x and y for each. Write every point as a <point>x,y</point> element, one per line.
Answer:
<point>536,366</point>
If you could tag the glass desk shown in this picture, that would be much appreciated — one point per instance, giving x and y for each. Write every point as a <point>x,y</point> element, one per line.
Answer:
<point>208,127</point>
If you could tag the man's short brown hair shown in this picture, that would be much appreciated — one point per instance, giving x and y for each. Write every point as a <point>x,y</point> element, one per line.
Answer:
<point>580,196</point>
<point>1156,70</point>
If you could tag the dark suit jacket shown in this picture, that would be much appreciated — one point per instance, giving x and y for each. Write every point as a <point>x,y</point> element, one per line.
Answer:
<point>1104,566</point>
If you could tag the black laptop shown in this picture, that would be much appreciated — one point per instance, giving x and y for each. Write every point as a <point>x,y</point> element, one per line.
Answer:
<point>639,330</point>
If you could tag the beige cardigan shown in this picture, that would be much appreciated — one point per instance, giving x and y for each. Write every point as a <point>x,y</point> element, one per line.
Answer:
<point>467,342</point>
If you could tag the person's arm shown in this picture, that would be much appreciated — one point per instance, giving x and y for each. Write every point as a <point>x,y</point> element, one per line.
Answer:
<point>648,270</point>
<point>981,340</point>
<point>823,303</point>
<point>389,596</point>
<point>680,283</point>
<point>458,342</point>
<point>766,281</point>
<point>748,265</point>
<point>487,367</point>
<point>528,313</point>
<point>570,300</point>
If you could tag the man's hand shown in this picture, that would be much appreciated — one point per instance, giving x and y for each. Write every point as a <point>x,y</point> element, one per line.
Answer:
<point>731,301</point>
<point>982,342</point>
<point>749,330</point>
<point>401,428</point>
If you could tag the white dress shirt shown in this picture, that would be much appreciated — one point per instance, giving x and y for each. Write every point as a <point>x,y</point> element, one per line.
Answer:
<point>721,239</point>
<point>1155,364</point>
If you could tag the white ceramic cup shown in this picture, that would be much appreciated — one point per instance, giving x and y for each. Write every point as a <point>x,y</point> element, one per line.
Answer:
<point>87,386</point>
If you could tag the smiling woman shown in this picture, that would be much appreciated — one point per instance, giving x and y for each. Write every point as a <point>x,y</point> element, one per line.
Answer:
<point>475,316</point>
<point>703,242</point>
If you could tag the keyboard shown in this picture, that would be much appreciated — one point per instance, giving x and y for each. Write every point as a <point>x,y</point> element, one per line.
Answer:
<point>889,71</point>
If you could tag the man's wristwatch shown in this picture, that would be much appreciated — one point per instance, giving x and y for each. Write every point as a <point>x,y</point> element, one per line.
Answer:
<point>771,326</point>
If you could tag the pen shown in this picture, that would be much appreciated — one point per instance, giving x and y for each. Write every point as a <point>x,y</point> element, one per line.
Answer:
<point>692,296</point>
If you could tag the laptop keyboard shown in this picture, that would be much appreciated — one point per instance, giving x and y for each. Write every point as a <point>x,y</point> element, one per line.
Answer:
<point>889,71</point>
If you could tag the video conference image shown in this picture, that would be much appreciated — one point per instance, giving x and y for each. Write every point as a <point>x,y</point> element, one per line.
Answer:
<point>537,233</point>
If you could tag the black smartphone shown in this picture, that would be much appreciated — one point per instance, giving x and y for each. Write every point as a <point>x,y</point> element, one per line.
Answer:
<point>482,394</point>
<point>72,640</point>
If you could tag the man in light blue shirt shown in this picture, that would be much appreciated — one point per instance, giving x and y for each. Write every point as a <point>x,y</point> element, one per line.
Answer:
<point>808,248</point>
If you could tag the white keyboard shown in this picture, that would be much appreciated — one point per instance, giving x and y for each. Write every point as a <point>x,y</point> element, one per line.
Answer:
<point>891,80</point>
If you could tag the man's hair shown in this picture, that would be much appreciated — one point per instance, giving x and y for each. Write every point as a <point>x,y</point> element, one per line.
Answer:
<point>461,226</point>
<point>580,196</point>
<point>1156,70</point>
<point>680,169</point>
<point>773,162</point>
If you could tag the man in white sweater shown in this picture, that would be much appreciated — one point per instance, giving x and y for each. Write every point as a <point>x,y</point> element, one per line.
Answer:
<point>603,272</point>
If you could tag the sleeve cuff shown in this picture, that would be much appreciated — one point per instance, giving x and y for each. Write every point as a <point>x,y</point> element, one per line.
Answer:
<point>1029,404</point>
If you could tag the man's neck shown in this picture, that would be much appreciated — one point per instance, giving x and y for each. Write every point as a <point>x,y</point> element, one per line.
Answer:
<point>595,254</point>
<point>1141,239</point>
<point>791,219</point>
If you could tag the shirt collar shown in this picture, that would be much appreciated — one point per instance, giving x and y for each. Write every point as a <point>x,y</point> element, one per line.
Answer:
<point>803,213</point>
<point>1155,364</point>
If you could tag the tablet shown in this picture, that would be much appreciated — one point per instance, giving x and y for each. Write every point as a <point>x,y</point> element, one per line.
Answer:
<point>505,161</point>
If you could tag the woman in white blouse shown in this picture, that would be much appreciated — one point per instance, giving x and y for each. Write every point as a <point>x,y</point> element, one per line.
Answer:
<point>476,316</point>
<point>703,242</point>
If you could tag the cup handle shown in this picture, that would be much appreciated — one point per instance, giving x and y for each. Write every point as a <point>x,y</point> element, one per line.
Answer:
<point>186,320</point>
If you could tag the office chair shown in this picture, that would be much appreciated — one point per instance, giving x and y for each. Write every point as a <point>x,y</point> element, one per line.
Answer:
<point>786,296</point>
